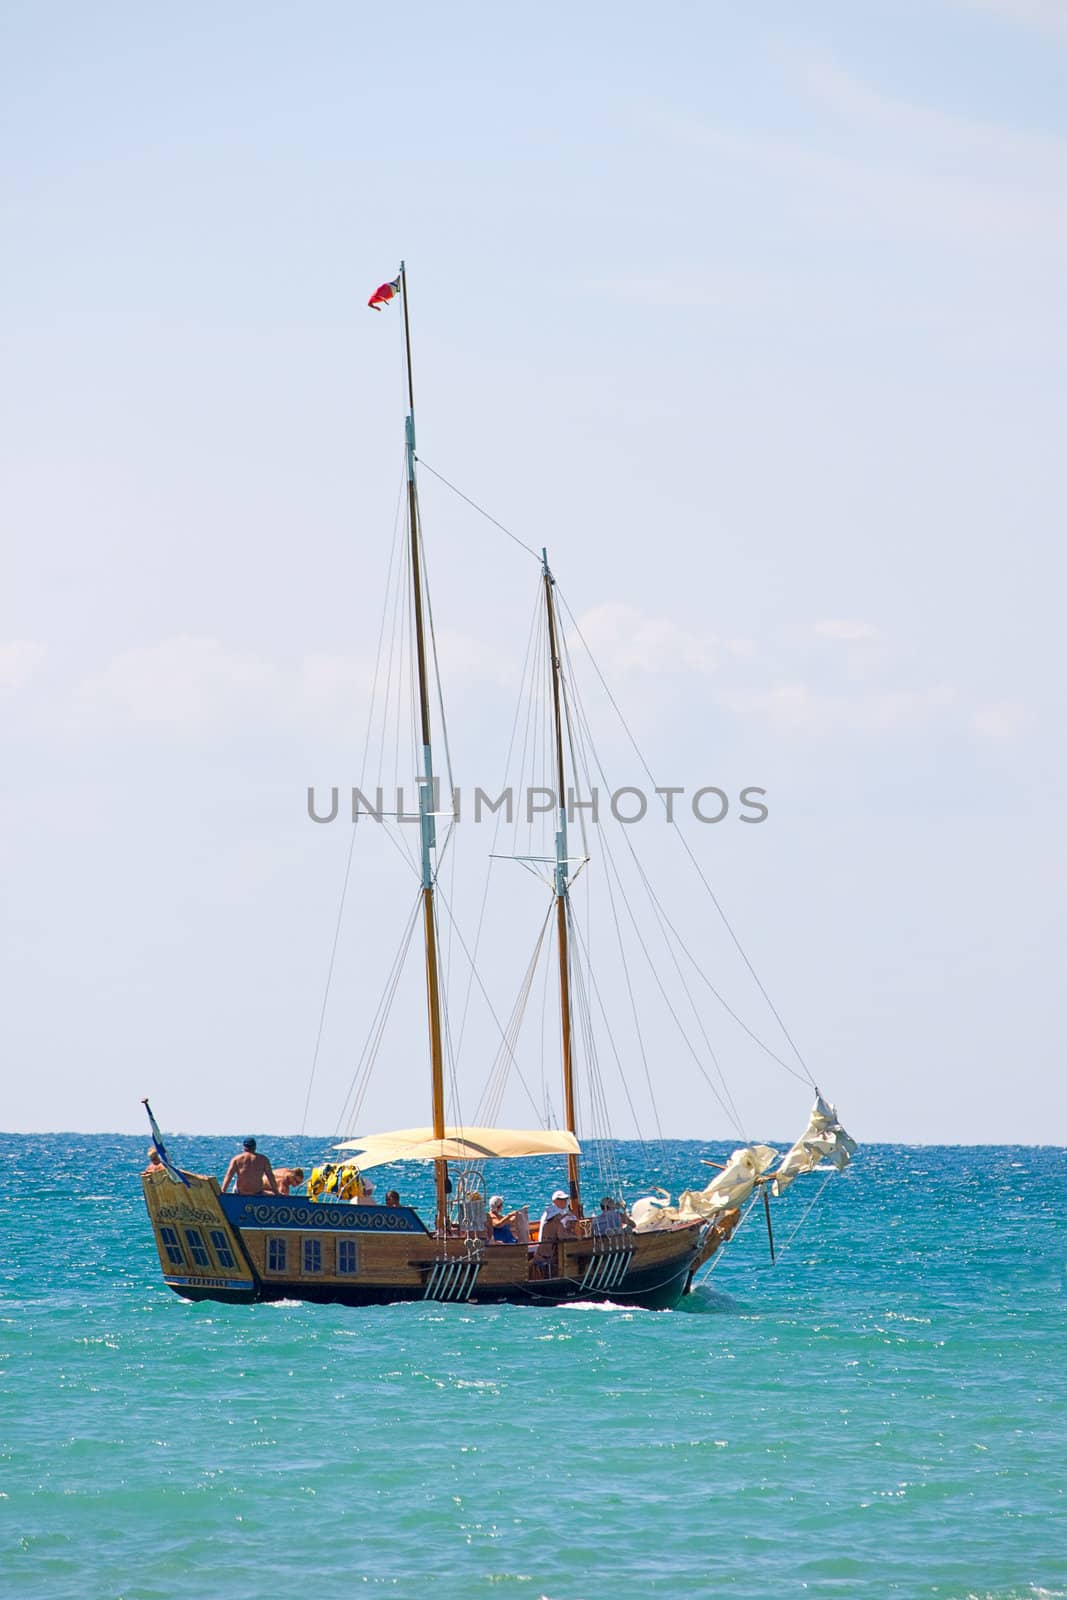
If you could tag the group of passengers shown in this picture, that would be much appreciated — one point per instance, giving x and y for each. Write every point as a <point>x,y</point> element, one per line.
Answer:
<point>559,1220</point>
<point>252,1174</point>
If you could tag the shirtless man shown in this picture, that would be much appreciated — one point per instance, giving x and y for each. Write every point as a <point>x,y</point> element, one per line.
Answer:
<point>252,1172</point>
<point>289,1178</point>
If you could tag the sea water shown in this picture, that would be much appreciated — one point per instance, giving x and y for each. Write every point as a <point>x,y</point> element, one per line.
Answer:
<point>882,1413</point>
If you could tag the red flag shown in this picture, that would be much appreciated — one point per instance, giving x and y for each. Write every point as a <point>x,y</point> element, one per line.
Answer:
<point>383,294</point>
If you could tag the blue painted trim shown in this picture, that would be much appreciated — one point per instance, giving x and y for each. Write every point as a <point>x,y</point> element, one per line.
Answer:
<point>294,1211</point>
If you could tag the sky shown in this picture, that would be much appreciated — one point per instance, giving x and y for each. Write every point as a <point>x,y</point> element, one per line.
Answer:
<point>753,315</point>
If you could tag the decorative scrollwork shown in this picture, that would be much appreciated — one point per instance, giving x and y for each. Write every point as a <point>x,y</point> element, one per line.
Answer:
<point>375,1219</point>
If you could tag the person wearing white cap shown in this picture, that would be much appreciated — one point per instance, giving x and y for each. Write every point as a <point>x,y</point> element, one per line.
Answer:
<point>558,1207</point>
<point>557,1220</point>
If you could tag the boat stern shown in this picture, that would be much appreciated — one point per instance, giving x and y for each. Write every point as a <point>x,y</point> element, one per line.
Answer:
<point>201,1254</point>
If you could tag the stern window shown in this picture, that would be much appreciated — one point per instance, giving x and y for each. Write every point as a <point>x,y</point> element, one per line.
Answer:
<point>275,1255</point>
<point>198,1248</point>
<point>312,1255</point>
<point>221,1248</point>
<point>172,1247</point>
<point>346,1255</point>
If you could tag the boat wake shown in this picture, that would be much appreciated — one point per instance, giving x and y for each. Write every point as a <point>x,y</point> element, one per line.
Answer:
<point>599,1305</point>
<point>704,1301</point>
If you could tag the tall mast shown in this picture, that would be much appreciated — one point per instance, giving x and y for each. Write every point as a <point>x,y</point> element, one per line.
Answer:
<point>426,792</point>
<point>562,899</point>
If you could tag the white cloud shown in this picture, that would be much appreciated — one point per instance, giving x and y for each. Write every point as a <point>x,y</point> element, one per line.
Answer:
<point>623,640</point>
<point>464,657</point>
<point>796,708</point>
<point>19,660</point>
<point>184,682</point>
<point>927,131</point>
<point>846,632</point>
<point>908,168</point>
<point>1047,16</point>
<point>1002,719</point>
<point>190,682</point>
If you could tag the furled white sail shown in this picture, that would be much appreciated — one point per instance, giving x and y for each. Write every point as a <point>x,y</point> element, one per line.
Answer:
<point>730,1188</point>
<point>733,1185</point>
<point>824,1139</point>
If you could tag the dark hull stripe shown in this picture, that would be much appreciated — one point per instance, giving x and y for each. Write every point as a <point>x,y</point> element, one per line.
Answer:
<point>657,1289</point>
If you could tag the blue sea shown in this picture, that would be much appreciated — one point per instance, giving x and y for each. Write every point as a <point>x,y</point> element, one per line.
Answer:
<point>882,1413</point>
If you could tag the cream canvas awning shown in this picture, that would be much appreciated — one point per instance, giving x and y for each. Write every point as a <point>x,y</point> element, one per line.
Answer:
<point>459,1144</point>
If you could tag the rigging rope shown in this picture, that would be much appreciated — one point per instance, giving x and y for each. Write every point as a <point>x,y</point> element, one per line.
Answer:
<point>496,829</point>
<point>583,947</point>
<point>480,510</point>
<point>818,1196</point>
<point>726,1100</point>
<point>485,997</point>
<point>686,846</point>
<point>352,837</point>
<point>357,1088</point>
<point>661,912</point>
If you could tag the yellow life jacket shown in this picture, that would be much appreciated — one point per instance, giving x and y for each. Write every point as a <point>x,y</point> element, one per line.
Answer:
<point>349,1183</point>
<point>322,1181</point>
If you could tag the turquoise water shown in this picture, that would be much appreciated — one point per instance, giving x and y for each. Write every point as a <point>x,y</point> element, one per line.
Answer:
<point>882,1414</point>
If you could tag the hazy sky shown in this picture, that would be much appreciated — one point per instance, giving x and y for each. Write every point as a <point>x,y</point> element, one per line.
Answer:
<point>753,314</point>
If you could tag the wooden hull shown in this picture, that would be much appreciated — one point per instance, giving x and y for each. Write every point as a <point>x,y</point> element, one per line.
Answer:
<point>241,1250</point>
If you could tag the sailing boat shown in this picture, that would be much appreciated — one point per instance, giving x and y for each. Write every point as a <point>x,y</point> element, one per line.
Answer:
<point>333,1246</point>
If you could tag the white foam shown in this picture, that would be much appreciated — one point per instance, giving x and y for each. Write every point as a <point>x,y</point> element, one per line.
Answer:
<point>599,1305</point>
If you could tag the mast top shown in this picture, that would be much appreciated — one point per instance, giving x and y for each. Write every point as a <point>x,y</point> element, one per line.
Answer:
<point>407,345</point>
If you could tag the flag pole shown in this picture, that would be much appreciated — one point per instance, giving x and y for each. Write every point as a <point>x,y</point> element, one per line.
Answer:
<point>407,342</point>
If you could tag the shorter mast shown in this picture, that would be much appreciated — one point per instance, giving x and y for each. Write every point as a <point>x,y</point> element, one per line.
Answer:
<point>562,897</point>
<point>426,796</point>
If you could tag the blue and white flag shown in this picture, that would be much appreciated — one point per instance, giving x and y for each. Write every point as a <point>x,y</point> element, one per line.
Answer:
<point>157,1140</point>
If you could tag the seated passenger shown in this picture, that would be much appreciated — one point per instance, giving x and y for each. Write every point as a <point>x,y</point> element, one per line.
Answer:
<point>612,1217</point>
<point>559,1209</point>
<point>155,1164</point>
<point>558,1221</point>
<point>392,1198</point>
<point>501,1228</point>
<point>366,1196</point>
<point>289,1178</point>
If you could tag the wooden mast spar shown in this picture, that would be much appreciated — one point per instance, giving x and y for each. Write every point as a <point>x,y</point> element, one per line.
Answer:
<point>562,880</point>
<point>426,793</point>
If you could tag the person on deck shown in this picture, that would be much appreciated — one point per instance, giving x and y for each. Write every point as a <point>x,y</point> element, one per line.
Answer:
<point>392,1198</point>
<point>559,1210</point>
<point>612,1217</point>
<point>558,1221</point>
<point>155,1164</point>
<point>289,1178</point>
<point>251,1171</point>
<point>502,1228</point>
